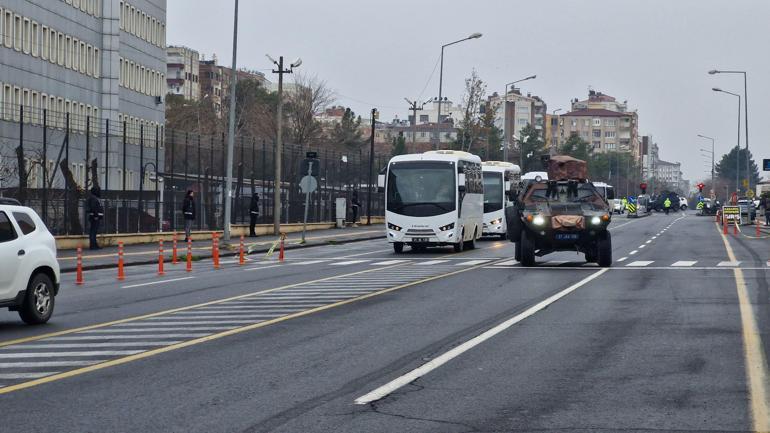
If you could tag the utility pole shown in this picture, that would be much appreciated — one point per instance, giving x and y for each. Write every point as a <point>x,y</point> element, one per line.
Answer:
<point>279,143</point>
<point>414,109</point>
<point>371,168</point>
<point>231,133</point>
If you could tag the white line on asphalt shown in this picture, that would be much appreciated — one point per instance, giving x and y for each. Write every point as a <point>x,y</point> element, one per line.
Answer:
<point>431,262</point>
<point>308,297</point>
<point>262,267</point>
<point>124,337</point>
<point>389,262</point>
<point>164,329</point>
<point>256,311</point>
<point>684,263</point>
<point>70,354</point>
<point>642,246</point>
<point>35,375</point>
<point>365,254</point>
<point>623,259</point>
<point>152,283</point>
<point>349,262</point>
<point>633,252</point>
<point>43,364</point>
<point>426,368</point>
<point>311,262</point>
<point>88,345</point>
<point>202,322</point>
<point>507,263</point>
<point>648,242</point>
<point>654,237</point>
<point>728,264</point>
<point>639,264</point>
<point>250,308</point>
<point>471,263</point>
<point>213,316</point>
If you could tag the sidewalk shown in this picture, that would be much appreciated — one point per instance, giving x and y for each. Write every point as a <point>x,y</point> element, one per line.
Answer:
<point>144,254</point>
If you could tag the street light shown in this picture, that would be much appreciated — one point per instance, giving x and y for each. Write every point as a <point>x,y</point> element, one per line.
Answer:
<point>231,130</point>
<point>505,115</point>
<point>712,158</point>
<point>746,111</point>
<point>738,146</point>
<point>441,83</point>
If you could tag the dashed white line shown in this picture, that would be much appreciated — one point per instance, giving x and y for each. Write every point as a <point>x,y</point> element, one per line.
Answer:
<point>684,263</point>
<point>349,262</point>
<point>70,354</point>
<point>48,364</point>
<point>88,345</point>
<point>152,283</point>
<point>36,375</point>
<point>623,259</point>
<point>728,264</point>
<point>639,264</point>
<point>633,252</point>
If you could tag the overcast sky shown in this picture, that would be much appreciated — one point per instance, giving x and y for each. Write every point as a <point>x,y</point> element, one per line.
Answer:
<point>653,53</point>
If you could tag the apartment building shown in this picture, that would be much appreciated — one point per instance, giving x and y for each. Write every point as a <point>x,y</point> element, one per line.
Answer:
<point>183,72</point>
<point>515,111</point>
<point>603,122</point>
<point>86,64</point>
<point>215,81</point>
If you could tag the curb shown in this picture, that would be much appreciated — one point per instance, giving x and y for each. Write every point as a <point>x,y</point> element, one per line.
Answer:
<point>70,270</point>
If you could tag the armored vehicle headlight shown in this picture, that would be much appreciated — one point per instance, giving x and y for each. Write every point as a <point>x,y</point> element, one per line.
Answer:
<point>596,221</point>
<point>538,220</point>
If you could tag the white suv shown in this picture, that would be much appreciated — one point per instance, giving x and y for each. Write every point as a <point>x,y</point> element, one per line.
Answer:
<point>29,272</point>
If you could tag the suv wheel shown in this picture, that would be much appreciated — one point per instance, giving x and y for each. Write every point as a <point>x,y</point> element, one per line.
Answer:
<point>398,247</point>
<point>38,303</point>
<point>604,251</point>
<point>527,249</point>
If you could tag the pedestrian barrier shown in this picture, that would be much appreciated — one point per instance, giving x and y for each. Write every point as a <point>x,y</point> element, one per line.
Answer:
<point>189,255</point>
<point>724,225</point>
<point>79,277</point>
<point>160,258</point>
<point>174,259</point>
<point>281,252</point>
<point>121,274</point>
<point>241,257</point>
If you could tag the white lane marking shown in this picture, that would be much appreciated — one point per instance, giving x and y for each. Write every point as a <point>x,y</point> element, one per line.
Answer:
<point>471,263</point>
<point>507,263</point>
<point>349,262</point>
<point>35,375</point>
<point>45,364</point>
<point>437,362</point>
<point>728,264</point>
<point>250,308</point>
<point>648,242</point>
<point>389,262</point>
<point>639,264</point>
<point>256,311</point>
<point>311,262</point>
<point>262,267</point>
<point>633,252</point>
<point>152,283</point>
<point>202,322</point>
<point>308,297</point>
<point>70,354</point>
<point>124,337</point>
<point>164,329</point>
<point>88,345</point>
<point>684,263</point>
<point>365,254</point>
<point>623,259</point>
<point>654,237</point>
<point>642,246</point>
<point>213,316</point>
<point>432,262</point>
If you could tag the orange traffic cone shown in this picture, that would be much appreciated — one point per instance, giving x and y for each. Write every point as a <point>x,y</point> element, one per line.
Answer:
<point>121,274</point>
<point>242,259</point>
<point>174,259</point>
<point>79,278</point>
<point>724,225</point>
<point>189,255</point>
<point>215,250</point>
<point>160,258</point>
<point>281,252</point>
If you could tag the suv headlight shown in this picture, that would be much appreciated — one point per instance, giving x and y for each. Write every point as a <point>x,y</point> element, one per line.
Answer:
<point>447,227</point>
<point>497,221</point>
<point>394,227</point>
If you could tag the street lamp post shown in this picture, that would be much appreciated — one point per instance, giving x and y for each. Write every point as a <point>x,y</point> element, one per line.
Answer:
<point>505,116</point>
<point>441,83</point>
<point>746,113</point>
<point>231,130</point>
<point>712,158</point>
<point>738,146</point>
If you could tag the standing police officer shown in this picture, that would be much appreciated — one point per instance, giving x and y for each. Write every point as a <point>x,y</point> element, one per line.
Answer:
<point>95,214</point>
<point>188,209</point>
<point>667,205</point>
<point>253,214</point>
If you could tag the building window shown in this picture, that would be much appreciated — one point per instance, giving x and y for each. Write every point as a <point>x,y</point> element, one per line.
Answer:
<point>609,122</point>
<point>26,36</point>
<point>597,133</point>
<point>97,63</point>
<point>17,30</point>
<point>597,122</point>
<point>35,40</point>
<point>609,134</point>
<point>610,146</point>
<point>596,144</point>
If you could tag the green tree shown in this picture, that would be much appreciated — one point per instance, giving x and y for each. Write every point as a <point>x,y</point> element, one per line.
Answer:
<point>576,147</point>
<point>727,171</point>
<point>532,147</point>
<point>347,133</point>
<point>399,145</point>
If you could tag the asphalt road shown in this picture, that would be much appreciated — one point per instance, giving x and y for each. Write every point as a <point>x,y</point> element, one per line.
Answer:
<point>353,338</point>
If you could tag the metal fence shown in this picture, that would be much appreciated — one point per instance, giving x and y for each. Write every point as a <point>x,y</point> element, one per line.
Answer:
<point>145,170</point>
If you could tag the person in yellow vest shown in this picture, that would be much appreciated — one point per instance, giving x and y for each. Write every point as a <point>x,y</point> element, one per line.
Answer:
<point>623,205</point>
<point>667,205</point>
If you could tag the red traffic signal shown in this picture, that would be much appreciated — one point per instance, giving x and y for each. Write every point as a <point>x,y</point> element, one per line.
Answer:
<point>643,185</point>
<point>700,186</point>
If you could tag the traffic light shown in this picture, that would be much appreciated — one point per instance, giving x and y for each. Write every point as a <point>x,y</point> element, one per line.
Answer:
<point>700,186</point>
<point>643,187</point>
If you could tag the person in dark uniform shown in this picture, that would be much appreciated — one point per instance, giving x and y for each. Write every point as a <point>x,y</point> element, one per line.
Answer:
<point>188,209</point>
<point>95,213</point>
<point>253,214</point>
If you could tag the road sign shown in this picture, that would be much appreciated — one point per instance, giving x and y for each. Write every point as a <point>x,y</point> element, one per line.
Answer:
<point>745,183</point>
<point>304,167</point>
<point>750,193</point>
<point>311,155</point>
<point>731,213</point>
<point>308,184</point>
<point>766,165</point>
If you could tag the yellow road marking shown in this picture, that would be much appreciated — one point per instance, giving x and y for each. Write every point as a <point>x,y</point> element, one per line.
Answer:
<point>756,363</point>
<point>138,356</point>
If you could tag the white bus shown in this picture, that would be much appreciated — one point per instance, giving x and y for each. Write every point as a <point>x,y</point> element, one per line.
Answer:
<point>498,177</point>
<point>432,199</point>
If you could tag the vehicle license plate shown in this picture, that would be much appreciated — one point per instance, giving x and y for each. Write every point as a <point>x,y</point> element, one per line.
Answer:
<point>419,239</point>
<point>567,236</point>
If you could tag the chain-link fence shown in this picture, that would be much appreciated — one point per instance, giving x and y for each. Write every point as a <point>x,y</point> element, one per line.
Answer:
<point>50,160</point>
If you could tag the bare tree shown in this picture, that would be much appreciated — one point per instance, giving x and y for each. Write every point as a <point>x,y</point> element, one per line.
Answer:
<point>309,98</point>
<point>471,125</point>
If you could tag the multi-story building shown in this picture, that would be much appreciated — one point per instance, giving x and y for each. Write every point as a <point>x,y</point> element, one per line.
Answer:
<point>450,113</point>
<point>603,122</point>
<point>215,81</point>
<point>183,72</point>
<point>669,172</point>
<point>86,64</point>
<point>418,138</point>
<point>516,111</point>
